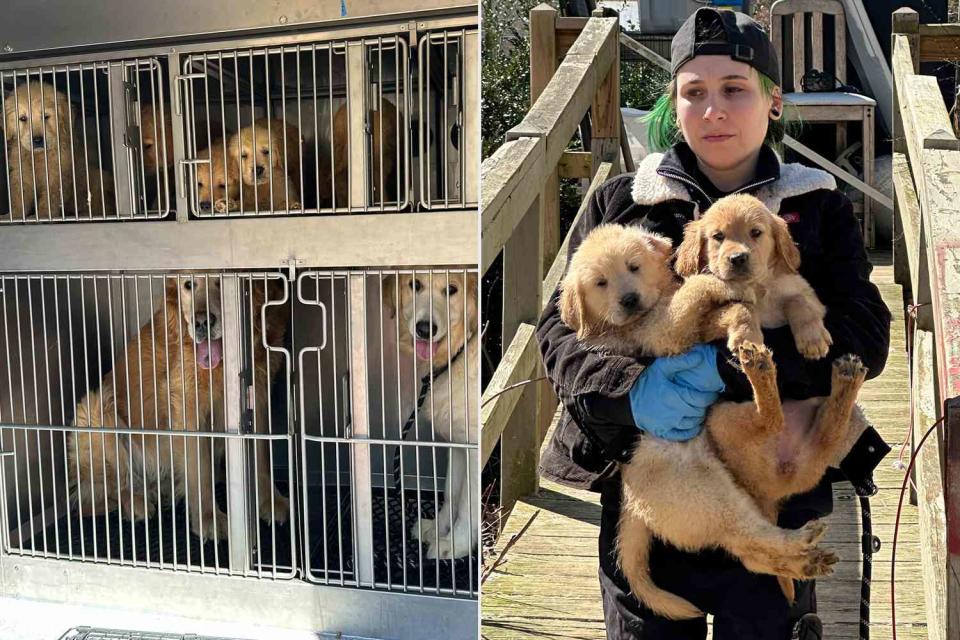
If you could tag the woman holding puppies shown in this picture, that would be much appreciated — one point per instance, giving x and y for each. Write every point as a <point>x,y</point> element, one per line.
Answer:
<point>720,111</point>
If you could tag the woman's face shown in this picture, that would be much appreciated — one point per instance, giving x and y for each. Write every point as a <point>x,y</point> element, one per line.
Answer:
<point>722,112</point>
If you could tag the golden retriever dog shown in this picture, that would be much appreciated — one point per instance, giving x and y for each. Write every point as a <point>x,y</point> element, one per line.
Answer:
<point>156,139</point>
<point>218,183</point>
<point>384,140</point>
<point>703,493</point>
<point>439,315</point>
<point>741,242</point>
<point>267,155</point>
<point>47,166</point>
<point>176,384</point>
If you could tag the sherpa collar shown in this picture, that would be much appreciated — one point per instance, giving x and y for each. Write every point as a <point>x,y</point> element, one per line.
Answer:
<point>650,186</point>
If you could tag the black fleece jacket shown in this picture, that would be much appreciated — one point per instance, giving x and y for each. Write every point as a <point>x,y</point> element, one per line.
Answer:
<point>597,428</point>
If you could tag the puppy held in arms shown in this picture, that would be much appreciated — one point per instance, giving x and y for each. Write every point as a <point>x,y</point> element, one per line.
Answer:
<point>723,487</point>
<point>438,314</point>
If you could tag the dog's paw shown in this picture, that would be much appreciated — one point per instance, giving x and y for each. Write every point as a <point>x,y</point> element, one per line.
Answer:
<point>225,205</point>
<point>755,357</point>
<point>849,369</point>
<point>819,563</point>
<point>206,529</point>
<point>812,533</point>
<point>446,548</point>
<point>275,510</point>
<point>813,341</point>
<point>136,508</point>
<point>425,531</point>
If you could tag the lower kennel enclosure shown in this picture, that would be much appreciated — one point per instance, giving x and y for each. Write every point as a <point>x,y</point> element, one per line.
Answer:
<point>345,120</point>
<point>245,424</point>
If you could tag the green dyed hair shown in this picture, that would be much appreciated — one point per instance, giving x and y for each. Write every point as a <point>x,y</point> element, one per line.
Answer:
<point>663,132</point>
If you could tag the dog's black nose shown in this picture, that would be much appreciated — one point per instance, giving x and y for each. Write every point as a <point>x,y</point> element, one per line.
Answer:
<point>200,329</point>
<point>630,301</point>
<point>739,259</point>
<point>425,329</point>
<point>259,171</point>
<point>38,141</point>
<point>205,205</point>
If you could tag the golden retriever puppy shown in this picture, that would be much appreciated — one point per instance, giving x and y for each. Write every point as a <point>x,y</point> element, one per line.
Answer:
<point>439,317</point>
<point>383,160</point>
<point>178,386</point>
<point>267,155</point>
<point>47,166</point>
<point>218,183</point>
<point>156,139</point>
<point>618,283</point>
<point>741,242</point>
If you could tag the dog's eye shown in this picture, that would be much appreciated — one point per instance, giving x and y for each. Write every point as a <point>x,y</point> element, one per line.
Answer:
<point>633,268</point>
<point>222,186</point>
<point>415,285</point>
<point>23,118</point>
<point>46,116</point>
<point>755,233</point>
<point>244,155</point>
<point>265,152</point>
<point>718,236</point>
<point>601,283</point>
<point>452,289</point>
<point>147,146</point>
<point>188,285</point>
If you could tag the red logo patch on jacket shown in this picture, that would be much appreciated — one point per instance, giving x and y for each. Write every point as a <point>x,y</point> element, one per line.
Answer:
<point>790,217</point>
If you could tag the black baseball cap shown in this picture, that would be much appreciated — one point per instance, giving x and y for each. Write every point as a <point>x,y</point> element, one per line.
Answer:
<point>723,32</point>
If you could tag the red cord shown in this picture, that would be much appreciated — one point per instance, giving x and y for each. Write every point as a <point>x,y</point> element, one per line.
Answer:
<point>896,528</point>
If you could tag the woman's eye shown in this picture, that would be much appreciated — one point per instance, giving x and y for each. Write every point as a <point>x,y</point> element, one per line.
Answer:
<point>601,283</point>
<point>718,236</point>
<point>452,290</point>
<point>734,89</point>
<point>755,233</point>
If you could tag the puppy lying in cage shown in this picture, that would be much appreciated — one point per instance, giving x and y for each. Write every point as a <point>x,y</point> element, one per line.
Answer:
<point>723,488</point>
<point>438,313</point>
<point>267,156</point>
<point>48,160</point>
<point>172,379</point>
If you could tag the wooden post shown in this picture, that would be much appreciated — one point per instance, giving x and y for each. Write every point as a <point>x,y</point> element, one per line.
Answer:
<point>520,443</point>
<point>906,22</point>
<point>952,499</point>
<point>605,111</point>
<point>543,64</point>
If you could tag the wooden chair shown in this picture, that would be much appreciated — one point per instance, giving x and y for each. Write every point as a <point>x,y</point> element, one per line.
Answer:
<point>833,106</point>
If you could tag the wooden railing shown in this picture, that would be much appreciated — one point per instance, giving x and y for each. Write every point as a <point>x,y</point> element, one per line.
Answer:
<point>926,175</point>
<point>520,218</point>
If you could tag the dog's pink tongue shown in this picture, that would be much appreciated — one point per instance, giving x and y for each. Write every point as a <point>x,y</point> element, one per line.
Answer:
<point>209,353</point>
<point>426,349</point>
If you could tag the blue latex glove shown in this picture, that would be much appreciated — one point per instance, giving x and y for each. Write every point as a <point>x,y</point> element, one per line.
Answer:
<point>671,397</point>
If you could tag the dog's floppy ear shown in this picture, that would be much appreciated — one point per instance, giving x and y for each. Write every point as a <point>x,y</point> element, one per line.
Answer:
<point>660,245</point>
<point>690,251</point>
<point>573,311</point>
<point>389,287</point>
<point>785,252</point>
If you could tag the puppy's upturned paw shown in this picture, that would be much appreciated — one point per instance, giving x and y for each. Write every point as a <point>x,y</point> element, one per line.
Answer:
<point>819,563</point>
<point>849,369</point>
<point>813,340</point>
<point>813,532</point>
<point>755,357</point>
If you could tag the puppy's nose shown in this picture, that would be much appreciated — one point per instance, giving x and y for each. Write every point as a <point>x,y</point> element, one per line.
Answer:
<point>38,141</point>
<point>425,329</point>
<point>200,329</point>
<point>739,260</point>
<point>630,301</point>
<point>259,171</point>
<point>205,205</point>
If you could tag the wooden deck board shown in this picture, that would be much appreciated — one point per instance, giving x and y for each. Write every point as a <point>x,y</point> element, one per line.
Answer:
<point>548,588</point>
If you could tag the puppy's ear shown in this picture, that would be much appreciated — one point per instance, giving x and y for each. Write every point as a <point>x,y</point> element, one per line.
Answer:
<point>690,251</point>
<point>389,286</point>
<point>660,245</point>
<point>785,252</point>
<point>573,310</point>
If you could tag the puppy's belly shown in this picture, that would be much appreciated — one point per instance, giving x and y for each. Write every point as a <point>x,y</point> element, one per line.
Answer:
<point>797,418</point>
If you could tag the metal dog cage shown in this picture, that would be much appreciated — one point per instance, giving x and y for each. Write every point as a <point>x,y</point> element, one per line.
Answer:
<point>332,432</point>
<point>323,124</point>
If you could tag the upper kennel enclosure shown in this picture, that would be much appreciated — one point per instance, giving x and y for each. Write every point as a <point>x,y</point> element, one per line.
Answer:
<point>281,160</point>
<point>223,121</point>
